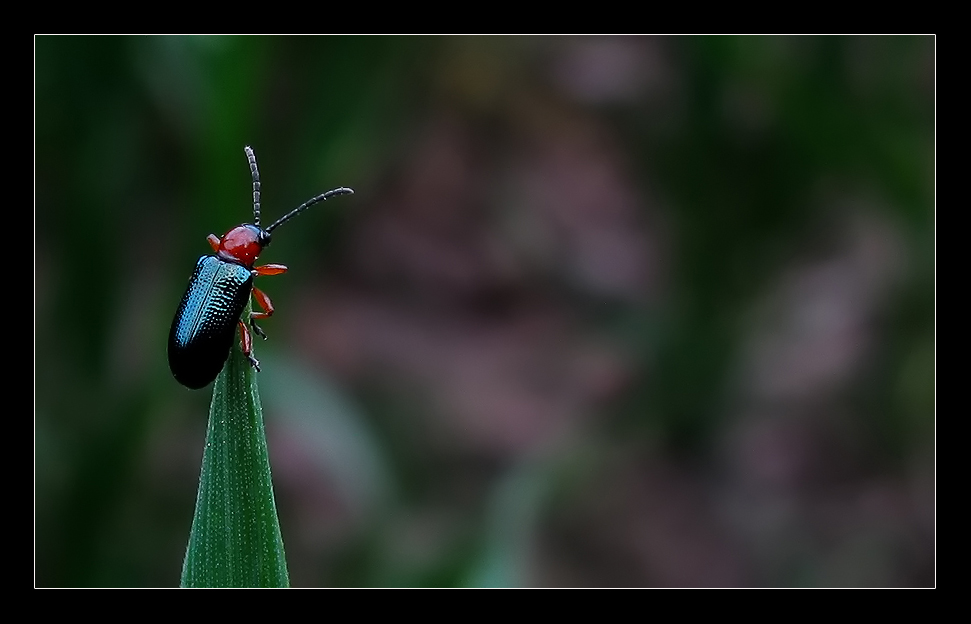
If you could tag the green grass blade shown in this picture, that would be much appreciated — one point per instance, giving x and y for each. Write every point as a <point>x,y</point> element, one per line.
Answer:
<point>235,539</point>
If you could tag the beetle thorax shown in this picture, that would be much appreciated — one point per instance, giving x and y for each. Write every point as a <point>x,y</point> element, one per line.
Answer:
<point>243,244</point>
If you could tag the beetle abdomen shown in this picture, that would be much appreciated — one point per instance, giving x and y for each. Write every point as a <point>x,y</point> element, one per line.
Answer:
<point>205,324</point>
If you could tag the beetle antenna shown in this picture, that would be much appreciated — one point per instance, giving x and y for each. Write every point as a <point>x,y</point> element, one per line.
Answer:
<point>307,204</point>
<point>251,157</point>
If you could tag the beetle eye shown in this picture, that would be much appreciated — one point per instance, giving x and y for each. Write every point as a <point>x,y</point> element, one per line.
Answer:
<point>264,238</point>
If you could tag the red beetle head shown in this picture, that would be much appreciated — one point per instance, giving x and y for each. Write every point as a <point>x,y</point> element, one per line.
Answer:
<point>243,244</point>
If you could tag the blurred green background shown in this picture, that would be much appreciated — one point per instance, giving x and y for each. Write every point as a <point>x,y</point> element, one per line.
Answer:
<point>602,311</point>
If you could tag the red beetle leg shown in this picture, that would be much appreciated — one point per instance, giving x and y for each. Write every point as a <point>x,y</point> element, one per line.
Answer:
<point>247,340</point>
<point>213,242</point>
<point>267,305</point>
<point>270,269</point>
<point>264,303</point>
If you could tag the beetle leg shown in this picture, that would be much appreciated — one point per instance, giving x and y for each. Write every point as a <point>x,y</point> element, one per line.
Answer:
<point>247,339</point>
<point>270,269</point>
<point>261,298</point>
<point>213,242</point>
<point>264,303</point>
<point>267,305</point>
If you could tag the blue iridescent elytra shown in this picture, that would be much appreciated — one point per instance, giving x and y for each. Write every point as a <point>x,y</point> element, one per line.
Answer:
<point>205,324</point>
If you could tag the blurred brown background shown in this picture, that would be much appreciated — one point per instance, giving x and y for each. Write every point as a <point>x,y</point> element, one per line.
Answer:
<point>603,311</point>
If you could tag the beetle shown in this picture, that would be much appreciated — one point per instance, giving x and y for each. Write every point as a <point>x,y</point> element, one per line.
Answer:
<point>211,309</point>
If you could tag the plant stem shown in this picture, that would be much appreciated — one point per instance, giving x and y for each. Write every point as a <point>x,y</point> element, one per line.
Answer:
<point>235,539</point>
